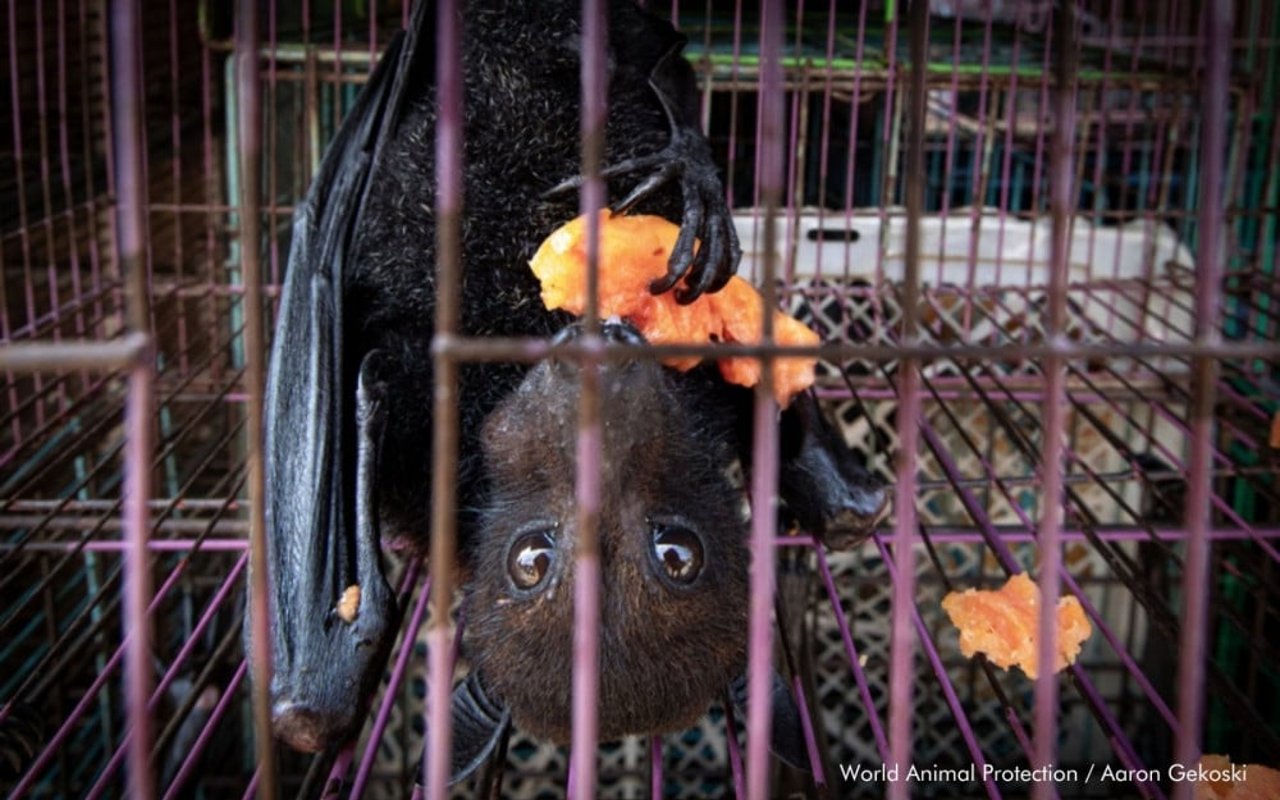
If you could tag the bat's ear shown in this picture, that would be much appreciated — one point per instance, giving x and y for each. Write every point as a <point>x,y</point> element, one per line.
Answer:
<point>479,723</point>
<point>787,739</point>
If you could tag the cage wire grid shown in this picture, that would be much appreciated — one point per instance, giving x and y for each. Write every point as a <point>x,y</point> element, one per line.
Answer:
<point>1038,240</point>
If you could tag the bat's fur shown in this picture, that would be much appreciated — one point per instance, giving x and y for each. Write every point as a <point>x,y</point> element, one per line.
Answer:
<point>666,650</point>
<point>521,65</point>
<point>664,654</point>
<point>669,438</point>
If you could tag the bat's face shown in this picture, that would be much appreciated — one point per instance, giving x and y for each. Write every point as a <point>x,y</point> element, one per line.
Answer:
<point>673,554</point>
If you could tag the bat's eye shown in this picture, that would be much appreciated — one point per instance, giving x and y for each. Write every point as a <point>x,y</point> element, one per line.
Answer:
<point>679,552</point>
<point>530,559</point>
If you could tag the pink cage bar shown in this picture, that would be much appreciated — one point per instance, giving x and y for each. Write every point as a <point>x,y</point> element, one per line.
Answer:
<point>1039,240</point>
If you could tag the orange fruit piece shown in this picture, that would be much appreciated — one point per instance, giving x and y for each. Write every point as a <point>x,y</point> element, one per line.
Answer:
<point>633,253</point>
<point>1004,624</point>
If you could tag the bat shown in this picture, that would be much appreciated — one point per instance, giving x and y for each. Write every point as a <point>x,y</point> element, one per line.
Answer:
<point>350,381</point>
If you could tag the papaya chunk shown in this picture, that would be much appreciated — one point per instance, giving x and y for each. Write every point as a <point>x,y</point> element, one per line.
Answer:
<point>1004,624</point>
<point>633,252</point>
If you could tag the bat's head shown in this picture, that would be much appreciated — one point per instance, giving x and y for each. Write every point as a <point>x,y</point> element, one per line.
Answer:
<point>672,543</point>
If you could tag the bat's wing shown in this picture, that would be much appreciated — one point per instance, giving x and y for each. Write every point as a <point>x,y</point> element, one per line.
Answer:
<point>333,617</point>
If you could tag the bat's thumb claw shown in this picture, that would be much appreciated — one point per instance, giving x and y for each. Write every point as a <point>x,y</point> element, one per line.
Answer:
<point>564,187</point>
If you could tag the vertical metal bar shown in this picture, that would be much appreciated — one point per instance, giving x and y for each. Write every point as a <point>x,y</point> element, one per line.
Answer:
<point>365,769</point>
<point>64,174</point>
<point>175,168</point>
<point>272,153</point>
<point>212,222</point>
<point>131,192</point>
<point>855,102</point>
<point>87,145</point>
<point>764,478</point>
<point>202,740</point>
<point>735,753</point>
<point>6,329</point>
<point>949,150</point>
<point>1062,204</point>
<point>589,455</point>
<point>655,767</point>
<point>449,99</point>
<point>824,138</point>
<point>336,98</point>
<point>734,71</point>
<point>1204,373</point>
<point>19,168</point>
<point>249,136</point>
<point>1005,200</point>
<point>934,658</point>
<point>983,147</point>
<point>902,648</point>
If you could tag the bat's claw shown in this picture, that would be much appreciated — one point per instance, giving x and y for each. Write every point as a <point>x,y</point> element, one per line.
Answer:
<point>787,732</point>
<point>706,218</point>
<point>706,223</point>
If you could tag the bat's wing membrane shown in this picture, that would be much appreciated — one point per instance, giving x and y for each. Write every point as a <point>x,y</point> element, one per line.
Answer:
<point>332,614</point>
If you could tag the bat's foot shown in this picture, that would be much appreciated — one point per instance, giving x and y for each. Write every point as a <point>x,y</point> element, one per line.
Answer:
<point>786,740</point>
<point>827,489</point>
<point>853,519</point>
<point>481,725</point>
<point>687,161</point>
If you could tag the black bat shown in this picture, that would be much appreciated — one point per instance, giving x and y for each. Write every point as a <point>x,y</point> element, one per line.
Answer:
<point>348,421</point>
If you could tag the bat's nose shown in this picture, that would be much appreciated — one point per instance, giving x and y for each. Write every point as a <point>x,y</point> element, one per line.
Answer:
<point>619,330</point>
<point>613,329</point>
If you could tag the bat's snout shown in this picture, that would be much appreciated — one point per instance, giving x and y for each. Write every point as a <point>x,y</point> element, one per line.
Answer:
<point>614,330</point>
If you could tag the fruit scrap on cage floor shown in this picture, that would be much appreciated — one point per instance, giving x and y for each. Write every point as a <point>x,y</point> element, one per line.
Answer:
<point>348,403</point>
